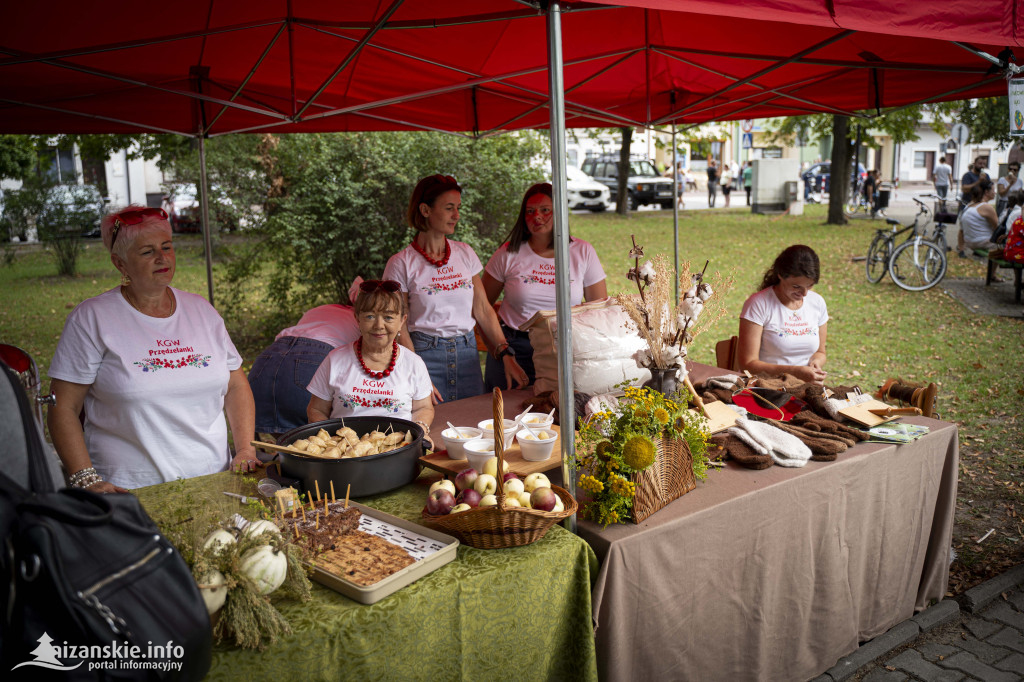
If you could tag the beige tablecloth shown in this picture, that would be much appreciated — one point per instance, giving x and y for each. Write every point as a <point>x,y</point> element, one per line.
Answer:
<point>776,574</point>
<point>773,574</point>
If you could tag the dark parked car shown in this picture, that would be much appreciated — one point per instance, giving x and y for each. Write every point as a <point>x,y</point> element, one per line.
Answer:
<point>645,185</point>
<point>816,178</point>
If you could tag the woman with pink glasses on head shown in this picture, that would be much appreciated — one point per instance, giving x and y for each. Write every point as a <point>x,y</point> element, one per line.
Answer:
<point>154,370</point>
<point>374,375</point>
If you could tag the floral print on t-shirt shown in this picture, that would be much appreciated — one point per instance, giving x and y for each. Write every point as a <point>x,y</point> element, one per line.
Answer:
<point>154,364</point>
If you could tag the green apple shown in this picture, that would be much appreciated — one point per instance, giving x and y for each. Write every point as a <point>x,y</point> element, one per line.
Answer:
<point>559,505</point>
<point>485,484</point>
<point>512,502</point>
<point>443,483</point>
<point>488,501</point>
<point>460,508</point>
<point>534,481</point>
<point>524,499</point>
<point>492,467</point>
<point>513,487</point>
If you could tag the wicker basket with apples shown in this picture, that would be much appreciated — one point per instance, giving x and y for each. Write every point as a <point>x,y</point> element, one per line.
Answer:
<point>492,514</point>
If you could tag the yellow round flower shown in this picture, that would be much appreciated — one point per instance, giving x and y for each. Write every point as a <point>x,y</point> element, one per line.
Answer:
<point>639,452</point>
<point>661,414</point>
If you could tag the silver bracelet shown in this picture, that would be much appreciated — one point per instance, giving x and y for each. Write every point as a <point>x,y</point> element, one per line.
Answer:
<point>84,478</point>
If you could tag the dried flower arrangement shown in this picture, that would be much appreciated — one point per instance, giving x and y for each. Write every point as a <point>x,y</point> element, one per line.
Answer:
<point>670,329</point>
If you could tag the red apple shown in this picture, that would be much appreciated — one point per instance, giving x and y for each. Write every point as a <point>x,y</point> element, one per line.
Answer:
<point>469,496</point>
<point>508,476</point>
<point>440,502</point>
<point>466,479</point>
<point>543,499</point>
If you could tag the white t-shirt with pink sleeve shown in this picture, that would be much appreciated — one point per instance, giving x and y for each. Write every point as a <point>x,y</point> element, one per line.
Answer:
<point>789,337</point>
<point>529,279</point>
<point>341,381</point>
<point>440,298</point>
<point>333,324</point>
<point>154,411</point>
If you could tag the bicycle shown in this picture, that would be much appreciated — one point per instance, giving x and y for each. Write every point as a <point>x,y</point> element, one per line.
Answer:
<point>884,243</point>
<point>857,202</point>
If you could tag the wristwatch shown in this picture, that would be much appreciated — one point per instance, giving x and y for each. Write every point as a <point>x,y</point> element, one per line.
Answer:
<point>507,350</point>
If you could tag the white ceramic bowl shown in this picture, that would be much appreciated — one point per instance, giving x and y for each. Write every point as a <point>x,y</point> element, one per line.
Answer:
<point>510,430</point>
<point>536,449</point>
<point>478,451</point>
<point>537,420</point>
<point>455,445</point>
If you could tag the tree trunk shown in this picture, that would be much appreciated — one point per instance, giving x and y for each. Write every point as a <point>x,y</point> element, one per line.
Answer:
<point>622,196</point>
<point>839,182</point>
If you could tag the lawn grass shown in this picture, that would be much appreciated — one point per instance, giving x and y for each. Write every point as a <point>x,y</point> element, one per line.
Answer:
<point>875,332</point>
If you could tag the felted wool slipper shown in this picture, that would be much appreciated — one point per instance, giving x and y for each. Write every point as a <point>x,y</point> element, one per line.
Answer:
<point>739,452</point>
<point>823,449</point>
<point>807,418</point>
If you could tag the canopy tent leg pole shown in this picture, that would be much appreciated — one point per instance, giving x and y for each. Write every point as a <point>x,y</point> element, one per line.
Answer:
<point>675,209</point>
<point>205,203</point>
<point>566,409</point>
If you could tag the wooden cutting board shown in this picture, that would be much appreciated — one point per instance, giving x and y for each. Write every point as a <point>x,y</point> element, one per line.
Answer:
<point>438,460</point>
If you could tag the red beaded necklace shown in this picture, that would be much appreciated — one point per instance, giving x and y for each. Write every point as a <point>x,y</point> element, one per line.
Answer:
<point>436,263</point>
<point>377,375</point>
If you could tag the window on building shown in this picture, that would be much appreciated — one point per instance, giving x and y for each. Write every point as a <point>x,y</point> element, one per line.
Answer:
<point>920,159</point>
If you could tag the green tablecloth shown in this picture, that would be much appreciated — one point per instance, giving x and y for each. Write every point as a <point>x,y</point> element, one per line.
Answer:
<point>522,612</point>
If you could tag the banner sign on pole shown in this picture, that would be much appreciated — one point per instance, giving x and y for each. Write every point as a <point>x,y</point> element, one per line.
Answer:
<point>1016,99</point>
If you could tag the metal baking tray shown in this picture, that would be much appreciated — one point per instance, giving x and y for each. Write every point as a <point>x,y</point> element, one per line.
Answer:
<point>430,548</point>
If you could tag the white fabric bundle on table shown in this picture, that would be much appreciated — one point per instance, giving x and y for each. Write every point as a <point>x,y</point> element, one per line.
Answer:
<point>785,449</point>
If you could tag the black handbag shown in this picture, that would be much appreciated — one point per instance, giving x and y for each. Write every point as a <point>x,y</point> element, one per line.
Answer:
<point>94,590</point>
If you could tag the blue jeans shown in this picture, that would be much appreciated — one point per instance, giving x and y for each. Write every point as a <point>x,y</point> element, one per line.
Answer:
<point>278,379</point>
<point>941,190</point>
<point>453,364</point>
<point>520,344</point>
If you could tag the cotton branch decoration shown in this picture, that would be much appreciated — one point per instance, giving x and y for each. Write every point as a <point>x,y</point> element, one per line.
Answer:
<point>667,331</point>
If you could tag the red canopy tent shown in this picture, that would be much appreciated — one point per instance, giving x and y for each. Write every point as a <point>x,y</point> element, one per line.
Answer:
<point>208,67</point>
<point>480,67</point>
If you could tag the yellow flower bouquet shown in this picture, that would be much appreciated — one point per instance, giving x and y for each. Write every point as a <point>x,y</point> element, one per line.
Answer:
<point>638,455</point>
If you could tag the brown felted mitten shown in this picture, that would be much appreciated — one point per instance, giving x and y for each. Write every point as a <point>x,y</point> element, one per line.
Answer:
<point>721,394</point>
<point>779,382</point>
<point>739,451</point>
<point>709,397</point>
<point>823,448</point>
<point>808,417</point>
<point>814,396</point>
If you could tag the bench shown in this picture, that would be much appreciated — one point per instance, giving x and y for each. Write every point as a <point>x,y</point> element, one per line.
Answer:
<point>994,263</point>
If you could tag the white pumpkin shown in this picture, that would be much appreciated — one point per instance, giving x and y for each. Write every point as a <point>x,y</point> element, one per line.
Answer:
<point>266,567</point>
<point>211,586</point>
<point>262,526</point>
<point>219,540</point>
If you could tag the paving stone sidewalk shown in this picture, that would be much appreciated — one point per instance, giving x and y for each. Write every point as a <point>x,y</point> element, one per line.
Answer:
<point>978,636</point>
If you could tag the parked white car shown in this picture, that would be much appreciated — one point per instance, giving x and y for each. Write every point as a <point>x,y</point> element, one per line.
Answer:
<point>582,191</point>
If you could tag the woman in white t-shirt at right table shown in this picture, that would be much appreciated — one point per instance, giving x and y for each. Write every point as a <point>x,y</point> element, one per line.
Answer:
<point>524,269</point>
<point>783,325</point>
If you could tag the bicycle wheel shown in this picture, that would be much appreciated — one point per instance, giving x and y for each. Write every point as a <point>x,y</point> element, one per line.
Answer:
<point>879,254</point>
<point>917,265</point>
<point>854,206</point>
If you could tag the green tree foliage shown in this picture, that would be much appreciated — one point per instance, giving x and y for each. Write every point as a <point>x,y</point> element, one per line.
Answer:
<point>334,207</point>
<point>60,214</point>
<point>17,156</point>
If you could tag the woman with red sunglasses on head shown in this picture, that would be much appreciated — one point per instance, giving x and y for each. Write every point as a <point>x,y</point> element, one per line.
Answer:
<point>524,268</point>
<point>154,370</point>
<point>374,375</point>
<point>441,281</point>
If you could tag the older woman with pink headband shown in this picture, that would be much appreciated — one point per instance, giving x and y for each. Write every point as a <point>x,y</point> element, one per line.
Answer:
<point>152,370</point>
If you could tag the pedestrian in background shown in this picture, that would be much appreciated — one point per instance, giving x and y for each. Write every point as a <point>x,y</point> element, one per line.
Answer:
<point>748,178</point>
<point>941,177</point>
<point>712,182</point>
